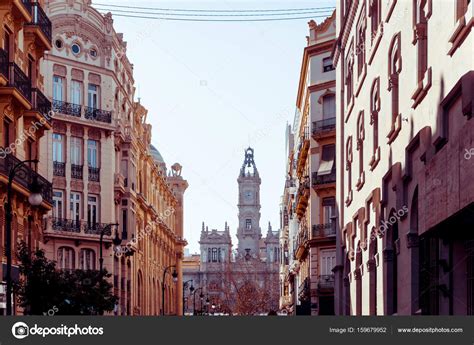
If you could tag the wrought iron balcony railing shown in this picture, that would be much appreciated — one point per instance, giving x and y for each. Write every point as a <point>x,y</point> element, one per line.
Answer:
<point>76,171</point>
<point>19,80</point>
<point>98,114</point>
<point>304,290</point>
<point>323,230</point>
<point>27,4</point>
<point>40,19</point>
<point>324,125</point>
<point>326,281</point>
<point>42,104</point>
<point>94,174</point>
<point>324,179</point>
<point>4,62</point>
<point>66,108</point>
<point>95,228</point>
<point>25,177</point>
<point>59,169</point>
<point>68,225</point>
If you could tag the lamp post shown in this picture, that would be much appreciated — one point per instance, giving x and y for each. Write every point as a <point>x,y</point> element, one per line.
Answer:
<point>102,233</point>
<point>35,199</point>
<point>175,279</point>
<point>191,288</point>
<point>194,299</point>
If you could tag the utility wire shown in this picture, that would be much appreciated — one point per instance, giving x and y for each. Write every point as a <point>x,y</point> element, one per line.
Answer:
<point>213,15</point>
<point>217,20</point>
<point>329,8</point>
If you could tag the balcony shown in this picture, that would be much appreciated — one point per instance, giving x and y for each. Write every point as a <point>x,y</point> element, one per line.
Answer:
<point>25,177</point>
<point>41,105</point>
<point>324,181</point>
<point>94,174</point>
<point>40,26</point>
<point>76,171</point>
<point>303,150</point>
<point>59,169</point>
<point>67,225</point>
<point>326,283</point>
<point>300,243</point>
<point>304,290</point>
<point>66,108</point>
<point>302,196</point>
<point>98,115</point>
<point>78,229</point>
<point>322,231</point>
<point>324,128</point>
<point>18,80</point>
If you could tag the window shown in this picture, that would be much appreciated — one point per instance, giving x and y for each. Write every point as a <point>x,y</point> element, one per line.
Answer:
<point>327,64</point>
<point>394,69</point>
<point>328,262</point>
<point>349,169</point>
<point>214,255</point>
<point>124,224</point>
<point>248,224</point>
<point>6,130</point>
<point>349,78</point>
<point>58,43</point>
<point>374,113</point>
<point>66,258</point>
<point>76,92</point>
<point>374,13</point>
<point>75,206</point>
<point>93,52</point>
<point>87,259</point>
<point>58,204</point>
<point>326,165</point>
<point>92,153</point>
<point>58,88</point>
<point>76,151</point>
<point>76,48</point>
<point>58,155</point>
<point>93,96</point>
<point>360,143</point>
<point>360,44</point>
<point>328,209</point>
<point>421,40</point>
<point>92,210</point>
<point>329,107</point>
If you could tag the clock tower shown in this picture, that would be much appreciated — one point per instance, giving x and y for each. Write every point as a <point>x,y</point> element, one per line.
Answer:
<point>249,232</point>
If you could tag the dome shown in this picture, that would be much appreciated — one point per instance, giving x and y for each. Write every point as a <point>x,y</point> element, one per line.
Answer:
<point>157,157</point>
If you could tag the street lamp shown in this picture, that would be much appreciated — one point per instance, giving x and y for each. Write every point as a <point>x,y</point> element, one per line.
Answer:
<point>35,199</point>
<point>184,290</point>
<point>102,233</point>
<point>194,299</point>
<point>175,279</point>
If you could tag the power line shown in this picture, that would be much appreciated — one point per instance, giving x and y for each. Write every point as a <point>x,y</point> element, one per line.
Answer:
<point>218,20</point>
<point>214,15</point>
<point>202,10</point>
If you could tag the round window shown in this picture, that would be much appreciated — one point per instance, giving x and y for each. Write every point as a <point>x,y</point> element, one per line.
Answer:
<point>76,49</point>
<point>58,43</point>
<point>93,52</point>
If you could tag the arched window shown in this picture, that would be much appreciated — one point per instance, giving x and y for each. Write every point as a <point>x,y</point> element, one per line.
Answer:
<point>394,69</point>
<point>358,279</point>
<point>360,148</point>
<point>372,268</point>
<point>375,15</point>
<point>140,294</point>
<point>349,169</point>
<point>66,258</point>
<point>87,259</point>
<point>374,120</point>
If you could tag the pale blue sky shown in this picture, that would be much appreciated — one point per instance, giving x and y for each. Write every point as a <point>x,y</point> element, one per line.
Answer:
<point>212,89</point>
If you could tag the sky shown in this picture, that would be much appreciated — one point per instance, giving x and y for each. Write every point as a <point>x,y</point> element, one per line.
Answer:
<point>212,90</point>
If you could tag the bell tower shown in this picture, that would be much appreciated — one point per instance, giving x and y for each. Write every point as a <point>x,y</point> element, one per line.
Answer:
<point>249,232</point>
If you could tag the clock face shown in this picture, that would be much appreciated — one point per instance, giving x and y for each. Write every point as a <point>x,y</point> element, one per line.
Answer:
<point>248,195</point>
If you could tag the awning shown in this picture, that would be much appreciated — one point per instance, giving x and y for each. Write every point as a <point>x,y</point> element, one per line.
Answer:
<point>327,160</point>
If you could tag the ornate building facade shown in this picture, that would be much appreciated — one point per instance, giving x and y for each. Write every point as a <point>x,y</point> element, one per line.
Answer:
<point>309,196</point>
<point>405,134</point>
<point>109,184</point>
<point>252,267</point>
<point>24,118</point>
